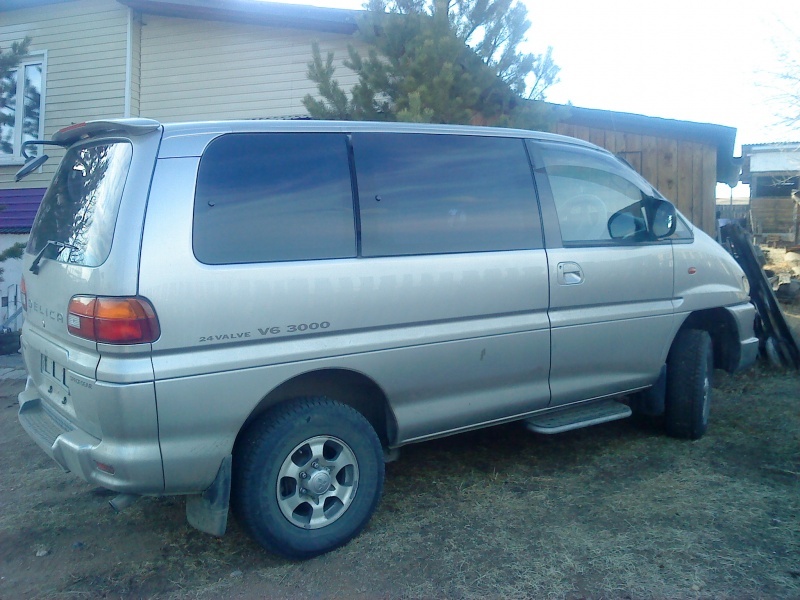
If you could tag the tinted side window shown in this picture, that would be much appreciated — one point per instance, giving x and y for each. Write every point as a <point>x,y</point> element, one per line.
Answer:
<point>427,194</point>
<point>274,196</point>
<point>588,188</point>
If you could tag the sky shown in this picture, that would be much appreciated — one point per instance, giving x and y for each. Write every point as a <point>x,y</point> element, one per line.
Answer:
<point>703,60</point>
<point>708,61</point>
<point>700,60</point>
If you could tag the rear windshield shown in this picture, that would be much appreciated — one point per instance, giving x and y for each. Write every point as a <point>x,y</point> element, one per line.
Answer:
<point>79,210</point>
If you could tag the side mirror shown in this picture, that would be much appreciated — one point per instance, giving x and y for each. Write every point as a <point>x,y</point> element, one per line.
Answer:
<point>624,225</point>
<point>664,219</point>
<point>650,219</point>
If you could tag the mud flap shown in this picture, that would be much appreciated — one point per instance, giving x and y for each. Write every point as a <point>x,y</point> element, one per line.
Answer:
<point>650,402</point>
<point>208,511</point>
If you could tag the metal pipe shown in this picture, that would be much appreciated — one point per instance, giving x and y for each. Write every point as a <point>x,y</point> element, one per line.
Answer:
<point>122,501</point>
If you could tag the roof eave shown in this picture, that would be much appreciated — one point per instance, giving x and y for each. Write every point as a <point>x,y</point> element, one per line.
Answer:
<point>330,20</point>
<point>9,5</point>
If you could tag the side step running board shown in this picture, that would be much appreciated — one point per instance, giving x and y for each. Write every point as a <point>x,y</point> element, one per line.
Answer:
<point>575,417</point>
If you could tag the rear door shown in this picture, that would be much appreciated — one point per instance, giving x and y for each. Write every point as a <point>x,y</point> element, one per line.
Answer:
<point>611,306</point>
<point>84,241</point>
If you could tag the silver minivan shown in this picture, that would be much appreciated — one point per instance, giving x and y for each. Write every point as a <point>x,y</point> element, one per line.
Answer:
<point>259,314</point>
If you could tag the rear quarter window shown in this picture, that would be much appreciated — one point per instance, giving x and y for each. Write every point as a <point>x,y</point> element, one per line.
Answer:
<point>267,197</point>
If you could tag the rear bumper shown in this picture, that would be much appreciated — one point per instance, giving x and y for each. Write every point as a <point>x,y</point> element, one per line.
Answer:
<point>131,448</point>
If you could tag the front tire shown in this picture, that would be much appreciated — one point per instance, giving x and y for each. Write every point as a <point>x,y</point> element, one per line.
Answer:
<point>690,366</point>
<point>307,477</point>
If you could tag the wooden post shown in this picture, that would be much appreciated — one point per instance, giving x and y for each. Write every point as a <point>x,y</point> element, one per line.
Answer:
<point>708,200</point>
<point>668,168</point>
<point>650,159</point>
<point>696,213</point>
<point>685,195</point>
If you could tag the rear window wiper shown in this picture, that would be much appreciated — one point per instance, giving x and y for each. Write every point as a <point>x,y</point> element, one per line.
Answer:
<point>34,268</point>
<point>33,162</point>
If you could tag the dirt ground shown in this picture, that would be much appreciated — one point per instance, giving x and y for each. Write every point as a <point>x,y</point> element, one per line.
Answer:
<point>613,511</point>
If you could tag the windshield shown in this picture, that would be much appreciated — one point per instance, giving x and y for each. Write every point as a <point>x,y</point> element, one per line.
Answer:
<point>79,210</point>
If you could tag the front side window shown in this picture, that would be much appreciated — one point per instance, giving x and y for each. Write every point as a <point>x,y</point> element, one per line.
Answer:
<point>588,189</point>
<point>430,194</point>
<point>21,117</point>
<point>266,197</point>
<point>77,217</point>
<point>683,231</point>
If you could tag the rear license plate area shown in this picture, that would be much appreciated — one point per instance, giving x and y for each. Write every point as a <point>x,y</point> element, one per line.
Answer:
<point>54,378</point>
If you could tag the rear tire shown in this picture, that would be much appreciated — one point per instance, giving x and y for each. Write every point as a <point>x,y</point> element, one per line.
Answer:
<point>690,366</point>
<point>307,477</point>
<point>9,342</point>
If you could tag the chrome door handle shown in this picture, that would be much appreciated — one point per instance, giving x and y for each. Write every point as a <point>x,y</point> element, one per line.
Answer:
<point>569,273</point>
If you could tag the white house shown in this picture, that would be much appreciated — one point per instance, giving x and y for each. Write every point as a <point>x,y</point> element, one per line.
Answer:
<point>172,60</point>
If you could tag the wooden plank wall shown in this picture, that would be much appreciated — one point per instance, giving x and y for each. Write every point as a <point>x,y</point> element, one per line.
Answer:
<point>775,216</point>
<point>685,172</point>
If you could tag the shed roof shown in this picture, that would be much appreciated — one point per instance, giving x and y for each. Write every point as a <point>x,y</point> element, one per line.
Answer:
<point>770,158</point>
<point>18,209</point>
<point>769,146</point>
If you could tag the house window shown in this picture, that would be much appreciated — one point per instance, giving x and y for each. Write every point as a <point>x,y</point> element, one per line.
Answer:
<point>21,109</point>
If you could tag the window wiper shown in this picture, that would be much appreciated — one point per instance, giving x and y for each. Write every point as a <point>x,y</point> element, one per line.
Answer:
<point>33,162</point>
<point>34,268</point>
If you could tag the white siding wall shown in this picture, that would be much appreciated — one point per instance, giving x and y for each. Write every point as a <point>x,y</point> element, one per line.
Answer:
<point>85,41</point>
<point>197,70</point>
<point>775,161</point>
<point>136,61</point>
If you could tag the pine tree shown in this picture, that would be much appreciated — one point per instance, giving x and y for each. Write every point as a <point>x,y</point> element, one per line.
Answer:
<point>11,57</point>
<point>438,61</point>
<point>8,83</point>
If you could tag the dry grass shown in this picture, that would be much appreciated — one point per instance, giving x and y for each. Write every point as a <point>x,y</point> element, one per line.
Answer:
<point>614,511</point>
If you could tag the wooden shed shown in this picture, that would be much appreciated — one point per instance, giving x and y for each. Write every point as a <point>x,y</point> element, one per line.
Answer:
<point>683,159</point>
<point>773,172</point>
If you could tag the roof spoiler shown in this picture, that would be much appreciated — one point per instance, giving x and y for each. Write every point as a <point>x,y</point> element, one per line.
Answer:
<point>73,133</point>
<point>79,131</point>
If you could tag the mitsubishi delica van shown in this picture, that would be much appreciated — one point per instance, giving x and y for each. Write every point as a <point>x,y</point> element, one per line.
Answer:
<point>259,314</point>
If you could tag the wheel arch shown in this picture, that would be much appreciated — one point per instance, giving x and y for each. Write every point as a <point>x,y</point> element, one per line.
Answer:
<point>724,332</point>
<point>343,385</point>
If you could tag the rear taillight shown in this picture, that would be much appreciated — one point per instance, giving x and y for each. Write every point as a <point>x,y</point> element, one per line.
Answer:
<point>113,320</point>
<point>23,291</point>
